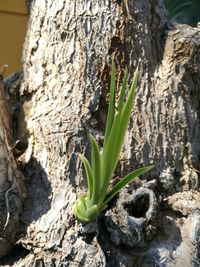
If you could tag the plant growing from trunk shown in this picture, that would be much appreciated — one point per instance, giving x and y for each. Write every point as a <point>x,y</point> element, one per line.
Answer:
<point>103,164</point>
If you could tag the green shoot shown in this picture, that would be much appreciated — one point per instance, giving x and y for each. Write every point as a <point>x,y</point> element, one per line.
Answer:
<point>103,165</point>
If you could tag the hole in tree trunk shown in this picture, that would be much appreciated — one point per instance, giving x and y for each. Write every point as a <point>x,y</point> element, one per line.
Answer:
<point>138,207</point>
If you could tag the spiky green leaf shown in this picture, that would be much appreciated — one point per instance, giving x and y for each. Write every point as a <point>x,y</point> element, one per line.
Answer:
<point>122,91</point>
<point>96,168</point>
<point>109,159</point>
<point>89,175</point>
<point>126,180</point>
<point>114,144</point>
<point>111,106</point>
<point>125,117</point>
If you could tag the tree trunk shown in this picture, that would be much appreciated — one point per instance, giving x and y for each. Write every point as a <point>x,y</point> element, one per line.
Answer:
<point>67,58</point>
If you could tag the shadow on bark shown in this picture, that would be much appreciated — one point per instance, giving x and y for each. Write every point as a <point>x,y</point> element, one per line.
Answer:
<point>36,204</point>
<point>16,253</point>
<point>39,191</point>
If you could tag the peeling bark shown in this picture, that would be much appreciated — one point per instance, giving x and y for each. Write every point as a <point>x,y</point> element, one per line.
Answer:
<point>63,96</point>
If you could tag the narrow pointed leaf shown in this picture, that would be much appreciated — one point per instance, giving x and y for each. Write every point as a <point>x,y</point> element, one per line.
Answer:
<point>96,169</point>
<point>116,137</point>
<point>123,90</point>
<point>111,106</point>
<point>109,159</point>
<point>125,117</point>
<point>126,180</point>
<point>89,175</point>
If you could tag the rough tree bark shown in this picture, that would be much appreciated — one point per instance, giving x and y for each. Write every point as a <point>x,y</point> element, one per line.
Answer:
<point>63,96</point>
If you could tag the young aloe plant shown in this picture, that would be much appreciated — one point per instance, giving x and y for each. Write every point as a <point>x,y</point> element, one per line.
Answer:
<point>103,165</point>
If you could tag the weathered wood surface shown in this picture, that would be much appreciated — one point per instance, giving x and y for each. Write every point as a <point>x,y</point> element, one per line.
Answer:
<point>11,180</point>
<point>67,56</point>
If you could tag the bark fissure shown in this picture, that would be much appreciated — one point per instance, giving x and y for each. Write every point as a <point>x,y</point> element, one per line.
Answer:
<point>64,95</point>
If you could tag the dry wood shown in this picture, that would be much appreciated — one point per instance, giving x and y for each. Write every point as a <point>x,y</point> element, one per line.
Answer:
<point>67,56</point>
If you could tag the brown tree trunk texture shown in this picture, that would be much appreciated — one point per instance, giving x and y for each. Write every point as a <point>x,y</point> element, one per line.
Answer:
<point>67,57</point>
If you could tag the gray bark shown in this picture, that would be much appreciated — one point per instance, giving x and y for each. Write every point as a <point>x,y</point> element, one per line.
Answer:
<point>12,191</point>
<point>67,57</point>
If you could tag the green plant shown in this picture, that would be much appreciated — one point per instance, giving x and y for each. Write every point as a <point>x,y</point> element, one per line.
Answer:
<point>183,11</point>
<point>103,165</point>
